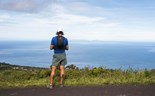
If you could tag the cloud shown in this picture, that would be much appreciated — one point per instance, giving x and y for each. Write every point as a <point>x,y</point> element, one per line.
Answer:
<point>57,15</point>
<point>4,18</point>
<point>72,19</point>
<point>70,15</point>
<point>79,20</point>
<point>29,6</point>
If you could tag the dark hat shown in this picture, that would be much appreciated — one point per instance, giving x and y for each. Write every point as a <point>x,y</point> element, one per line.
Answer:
<point>60,32</point>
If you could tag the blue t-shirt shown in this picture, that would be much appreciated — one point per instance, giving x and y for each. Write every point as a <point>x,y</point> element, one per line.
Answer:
<point>54,42</point>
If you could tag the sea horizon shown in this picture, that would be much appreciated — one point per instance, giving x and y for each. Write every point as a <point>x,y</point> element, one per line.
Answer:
<point>108,54</point>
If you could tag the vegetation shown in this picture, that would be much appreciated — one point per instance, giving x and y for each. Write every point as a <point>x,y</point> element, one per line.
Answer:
<point>20,76</point>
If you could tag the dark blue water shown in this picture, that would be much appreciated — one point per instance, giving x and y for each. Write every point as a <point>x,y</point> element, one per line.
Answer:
<point>93,54</point>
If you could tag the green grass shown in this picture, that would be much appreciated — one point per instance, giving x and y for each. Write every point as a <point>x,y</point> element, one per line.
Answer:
<point>99,76</point>
<point>78,77</point>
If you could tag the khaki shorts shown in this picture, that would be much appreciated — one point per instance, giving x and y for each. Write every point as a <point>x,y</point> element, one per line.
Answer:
<point>59,59</point>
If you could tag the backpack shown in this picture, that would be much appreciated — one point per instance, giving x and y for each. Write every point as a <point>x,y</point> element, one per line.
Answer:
<point>60,43</point>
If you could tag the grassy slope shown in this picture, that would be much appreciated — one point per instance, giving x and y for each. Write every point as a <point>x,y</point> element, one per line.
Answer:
<point>95,76</point>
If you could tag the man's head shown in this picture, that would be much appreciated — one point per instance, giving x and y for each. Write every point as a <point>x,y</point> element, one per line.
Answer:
<point>59,32</point>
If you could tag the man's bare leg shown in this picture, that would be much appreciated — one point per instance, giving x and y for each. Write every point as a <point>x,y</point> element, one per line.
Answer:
<point>52,74</point>
<point>62,72</point>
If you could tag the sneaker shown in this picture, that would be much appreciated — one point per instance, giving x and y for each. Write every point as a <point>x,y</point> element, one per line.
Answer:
<point>61,85</point>
<point>50,86</point>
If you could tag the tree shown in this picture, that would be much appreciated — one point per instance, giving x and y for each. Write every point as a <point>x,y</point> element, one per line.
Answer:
<point>72,66</point>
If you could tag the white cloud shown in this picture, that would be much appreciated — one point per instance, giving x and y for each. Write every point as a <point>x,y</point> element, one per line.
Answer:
<point>60,15</point>
<point>114,36</point>
<point>71,19</point>
<point>131,36</point>
<point>80,21</point>
<point>28,6</point>
<point>4,18</point>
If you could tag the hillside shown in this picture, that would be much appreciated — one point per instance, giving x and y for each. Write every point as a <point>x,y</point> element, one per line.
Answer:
<point>25,76</point>
<point>7,66</point>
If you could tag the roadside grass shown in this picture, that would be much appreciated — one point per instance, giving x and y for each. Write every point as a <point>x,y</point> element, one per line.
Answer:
<point>100,76</point>
<point>24,83</point>
<point>76,77</point>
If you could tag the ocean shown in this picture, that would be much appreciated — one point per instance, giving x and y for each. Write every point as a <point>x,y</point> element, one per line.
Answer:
<point>111,55</point>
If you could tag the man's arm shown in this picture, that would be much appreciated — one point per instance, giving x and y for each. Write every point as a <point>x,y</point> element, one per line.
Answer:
<point>67,47</point>
<point>52,44</point>
<point>51,47</point>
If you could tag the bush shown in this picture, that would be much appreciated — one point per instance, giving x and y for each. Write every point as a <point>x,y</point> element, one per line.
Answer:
<point>73,74</point>
<point>97,71</point>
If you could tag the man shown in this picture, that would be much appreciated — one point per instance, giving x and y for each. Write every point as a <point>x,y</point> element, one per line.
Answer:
<point>59,43</point>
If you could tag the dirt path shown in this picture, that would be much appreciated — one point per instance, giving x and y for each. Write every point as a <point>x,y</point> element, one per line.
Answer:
<point>109,90</point>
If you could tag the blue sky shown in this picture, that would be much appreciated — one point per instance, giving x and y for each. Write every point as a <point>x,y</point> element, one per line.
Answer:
<point>106,20</point>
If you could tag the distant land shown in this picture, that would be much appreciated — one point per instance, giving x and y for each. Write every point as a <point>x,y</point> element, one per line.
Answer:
<point>5,66</point>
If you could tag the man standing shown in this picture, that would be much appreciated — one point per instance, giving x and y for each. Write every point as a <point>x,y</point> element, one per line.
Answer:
<point>59,43</point>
